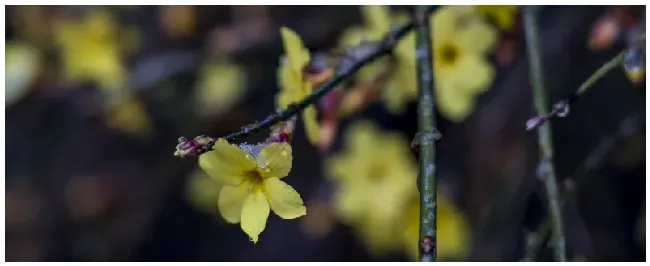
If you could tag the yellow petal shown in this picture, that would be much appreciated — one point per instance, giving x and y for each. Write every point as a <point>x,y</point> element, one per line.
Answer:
<point>231,201</point>
<point>285,98</point>
<point>227,163</point>
<point>275,160</point>
<point>377,18</point>
<point>443,23</point>
<point>360,136</point>
<point>338,166</point>
<point>254,214</point>
<point>477,37</point>
<point>311,125</point>
<point>503,15</point>
<point>288,79</point>
<point>350,201</point>
<point>476,67</point>
<point>453,104</point>
<point>353,36</point>
<point>284,200</point>
<point>405,51</point>
<point>296,53</point>
<point>400,89</point>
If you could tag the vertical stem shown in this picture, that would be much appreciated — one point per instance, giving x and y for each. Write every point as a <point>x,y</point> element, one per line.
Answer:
<point>546,169</point>
<point>427,129</point>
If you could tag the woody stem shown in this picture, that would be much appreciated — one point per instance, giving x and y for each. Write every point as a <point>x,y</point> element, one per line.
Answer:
<point>428,135</point>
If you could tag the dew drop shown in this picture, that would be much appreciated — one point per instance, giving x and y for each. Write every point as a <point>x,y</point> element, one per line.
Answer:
<point>562,109</point>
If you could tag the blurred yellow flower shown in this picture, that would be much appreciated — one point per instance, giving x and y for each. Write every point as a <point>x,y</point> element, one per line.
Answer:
<point>89,50</point>
<point>400,87</point>
<point>376,22</point>
<point>129,116</point>
<point>21,66</point>
<point>353,36</point>
<point>250,175</point>
<point>293,84</point>
<point>203,192</point>
<point>375,180</point>
<point>452,230</point>
<point>502,15</point>
<point>461,70</point>
<point>221,86</point>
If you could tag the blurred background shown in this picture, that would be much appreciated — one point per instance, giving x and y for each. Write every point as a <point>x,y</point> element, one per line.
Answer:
<point>96,98</point>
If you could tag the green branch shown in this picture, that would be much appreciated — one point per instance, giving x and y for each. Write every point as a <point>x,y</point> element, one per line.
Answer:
<point>428,135</point>
<point>546,170</point>
<point>561,108</point>
<point>627,127</point>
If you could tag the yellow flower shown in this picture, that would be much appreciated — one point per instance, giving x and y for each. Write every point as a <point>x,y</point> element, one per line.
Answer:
<point>90,51</point>
<point>129,116</point>
<point>461,70</point>
<point>461,40</point>
<point>400,88</point>
<point>293,85</point>
<point>21,66</point>
<point>355,35</point>
<point>375,179</point>
<point>503,15</point>
<point>221,86</point>
<point>250,176</point>
<point>452,230</point>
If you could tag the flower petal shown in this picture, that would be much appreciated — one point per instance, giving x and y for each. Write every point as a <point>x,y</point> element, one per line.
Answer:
<point>453,104</point>
<point>275,160</point>
<point>227,163</point>
<point>297,55</point>
<point>350,201</point>
<point>377,18</point>
<point>311,124</point>
<point>284,200</point>
<point>231,200</point>
<point>254,214</point>
<point>476,67</point>
<point>477,37</point>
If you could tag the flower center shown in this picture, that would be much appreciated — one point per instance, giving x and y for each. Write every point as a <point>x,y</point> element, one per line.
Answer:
<point>253,178</point>
<point>376,173</point>
<point>448,54</point>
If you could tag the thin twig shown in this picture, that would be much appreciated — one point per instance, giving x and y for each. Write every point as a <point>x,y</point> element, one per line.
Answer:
<point>561,108</point>
<point>535,240</point>
<point>627,127</point>
<point>546,170</point>
<point>428,136</point>
<point>346,69</point>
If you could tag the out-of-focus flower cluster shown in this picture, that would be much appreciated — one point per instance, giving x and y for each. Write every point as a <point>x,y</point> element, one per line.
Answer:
<point>95,46</point>
<point>464,40</point>
<point>376,195</point>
